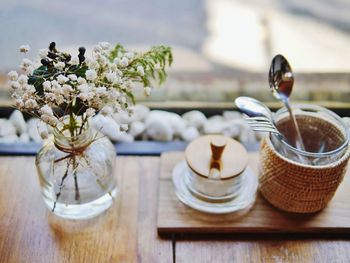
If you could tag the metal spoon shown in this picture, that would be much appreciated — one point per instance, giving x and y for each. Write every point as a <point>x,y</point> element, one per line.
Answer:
<point>253,107</point>
<point>256,109</point>
<point>281,80</point>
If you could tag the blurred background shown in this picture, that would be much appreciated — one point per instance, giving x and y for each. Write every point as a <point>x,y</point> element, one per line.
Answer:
<point>222,48</point>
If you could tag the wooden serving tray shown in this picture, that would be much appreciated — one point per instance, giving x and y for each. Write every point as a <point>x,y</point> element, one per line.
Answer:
<point>175,217</point>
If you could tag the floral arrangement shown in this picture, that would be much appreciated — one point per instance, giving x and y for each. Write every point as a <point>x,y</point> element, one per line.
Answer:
<point>79,87</point>
<point>66,91</point>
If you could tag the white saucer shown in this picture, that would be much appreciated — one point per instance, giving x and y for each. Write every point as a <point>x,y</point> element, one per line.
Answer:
<point>244,199</point>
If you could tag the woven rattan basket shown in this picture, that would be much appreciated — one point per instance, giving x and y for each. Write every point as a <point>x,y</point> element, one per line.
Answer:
<point>296,187</point>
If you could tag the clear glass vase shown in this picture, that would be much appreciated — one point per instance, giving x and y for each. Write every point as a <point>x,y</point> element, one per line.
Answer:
<point>76,174</point>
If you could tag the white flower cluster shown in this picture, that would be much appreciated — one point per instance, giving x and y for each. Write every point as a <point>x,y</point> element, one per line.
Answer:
<point>85,86</point>
<point>27,66</point>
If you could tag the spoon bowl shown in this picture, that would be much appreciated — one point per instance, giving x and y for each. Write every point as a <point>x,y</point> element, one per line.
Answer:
<point>281,80</point>
<point>260,116</point>
<point>253,107</point>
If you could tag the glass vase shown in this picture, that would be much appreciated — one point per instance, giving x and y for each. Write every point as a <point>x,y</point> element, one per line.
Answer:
<point>76,174</point>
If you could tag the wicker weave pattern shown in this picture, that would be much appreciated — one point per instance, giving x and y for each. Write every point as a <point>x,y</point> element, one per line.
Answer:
<point>295,187</point>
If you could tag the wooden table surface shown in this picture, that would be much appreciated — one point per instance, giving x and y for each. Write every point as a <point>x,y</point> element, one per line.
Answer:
<point>127,231</point>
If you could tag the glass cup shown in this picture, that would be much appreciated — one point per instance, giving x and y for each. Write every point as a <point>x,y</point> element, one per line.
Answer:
<point>213,189</point>
<point>324,134</point>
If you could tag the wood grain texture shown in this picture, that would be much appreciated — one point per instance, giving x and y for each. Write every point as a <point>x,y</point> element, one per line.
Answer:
<point>151,248</point>
<point>175,217</point>
<point>127,232</point>
<point>30,233</point>
<point>277,251</point>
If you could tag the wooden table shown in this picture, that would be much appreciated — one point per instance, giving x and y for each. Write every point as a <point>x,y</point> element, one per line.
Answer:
<point>127,232</point>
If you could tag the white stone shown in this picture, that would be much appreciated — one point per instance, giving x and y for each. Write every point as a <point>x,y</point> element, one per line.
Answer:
<point>157,125</point>
<point>122,117</point>
<point>3,122</point>
<point>12,138</point>
<point>110,128</point>
<point>32,129</point>
<point>247,135</point>
<point>189,134</point>
<point>214,125</point>
<point>159,129</point>
<point>140,113</point>
<point>211,127</point>
<point>173,120</point>
<point>217,118</point>
<point>231,129</point>
<point>7,128</point>
<point>18,121</point>
<point>137,128</point>
<point>195,119</point>
<point>24,138</point>
<point>124,137</point>
<point>106,125</point>
<point>231,115</point>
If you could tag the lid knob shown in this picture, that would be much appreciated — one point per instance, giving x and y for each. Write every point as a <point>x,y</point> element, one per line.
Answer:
<point>217,146</point>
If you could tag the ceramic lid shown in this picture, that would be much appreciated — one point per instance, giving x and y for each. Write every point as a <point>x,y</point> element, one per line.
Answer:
<point>216,156</point>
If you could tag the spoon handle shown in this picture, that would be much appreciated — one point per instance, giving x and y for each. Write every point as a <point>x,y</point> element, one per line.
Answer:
<point>299,142</point>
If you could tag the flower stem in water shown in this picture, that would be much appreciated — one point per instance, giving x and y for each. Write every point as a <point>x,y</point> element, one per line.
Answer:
<point>60,187</point>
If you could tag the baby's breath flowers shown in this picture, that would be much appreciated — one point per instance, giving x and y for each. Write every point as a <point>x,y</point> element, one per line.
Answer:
<point>64,91</point>
<point>24,48</point>
<point>79,87</point>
